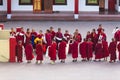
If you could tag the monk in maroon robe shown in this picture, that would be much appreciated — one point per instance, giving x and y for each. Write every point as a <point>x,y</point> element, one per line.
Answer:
<point>39,52</point>
<point>67,35</point>
<point>77,36</point>
<point>117,35</point>
<point>28,36</point>
<point>83,50</point>
<point>62,51</point>
<point>112,50</point>
<point>99,51</point>
<point>48,38</point>
<point>89,47</point>
<point>29,52</point>
<point>100,28</point>
<point>19,51</point>
<point>52,52</point>
<point>105,49</point>
<point>88,35</point>
<point>12,32</point>
<point>75,50</point>
<point>33,36</point>
<point>118,47</point>
<point>94,38</point>
<point>52,32</point>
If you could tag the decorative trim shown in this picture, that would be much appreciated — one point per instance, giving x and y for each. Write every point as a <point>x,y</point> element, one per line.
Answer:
<point>23,3</point>
<point>92,2</point>
<point>59,3</point>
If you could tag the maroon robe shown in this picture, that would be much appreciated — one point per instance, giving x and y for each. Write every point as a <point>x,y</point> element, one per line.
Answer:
<point>105,49</point>
<point>19,53</point>
<point>28,37</point>
<point>83,48</point>
<point>62,50</point>
<point>117,35</point>
<point>118,47</point>
<point>94,39</point>
<point>20,37</point>
<point>112,50</point>
<point>88,36</point>
<point>98,51</point>
<point>99,30</point>
<point>40,36</point>
<point>39,52</point>
<point>29,51</point>
<point>67,36</point>
<point>89,50</point>
<point>48,38</point>
<point>52,51</point>
<point>78,37</point>
<point>12,33</point>
<point>53,34</point>
<point>75,49</point>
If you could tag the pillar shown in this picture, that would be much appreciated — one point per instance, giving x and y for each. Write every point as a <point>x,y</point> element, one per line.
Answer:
<point>8,9</point>
<point>76,9</point>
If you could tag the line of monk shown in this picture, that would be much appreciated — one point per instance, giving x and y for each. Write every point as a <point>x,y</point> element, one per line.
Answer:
<point>55,44</point>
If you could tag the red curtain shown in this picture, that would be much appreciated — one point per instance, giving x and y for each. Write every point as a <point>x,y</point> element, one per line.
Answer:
<point>9,6</point>
<point>76,10</point>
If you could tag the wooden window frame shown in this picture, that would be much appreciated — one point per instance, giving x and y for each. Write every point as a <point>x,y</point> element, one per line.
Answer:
<point>1,2</point>
<point>92,4</point>
<point>54,3</point>
<point>26,3</point>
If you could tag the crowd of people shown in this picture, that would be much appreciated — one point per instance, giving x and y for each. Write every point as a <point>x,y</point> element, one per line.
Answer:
<point>58,45</point>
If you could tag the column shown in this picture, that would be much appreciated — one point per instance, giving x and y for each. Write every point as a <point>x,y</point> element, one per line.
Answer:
<point>8,9</point>
<point>76,9</point>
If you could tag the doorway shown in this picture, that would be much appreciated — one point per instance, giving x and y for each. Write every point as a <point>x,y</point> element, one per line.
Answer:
<point>42,5</point>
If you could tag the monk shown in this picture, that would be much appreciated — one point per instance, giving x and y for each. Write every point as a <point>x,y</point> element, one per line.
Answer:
<point>12,32</point>
<point>83,50</point>
<point>112,50</point>
<point>117,35</point>
<point>77,35</point>
<point>67,35</point>
<point>62,51</point>
<point>59,36</point>
<point>52,32</point>
<point>52,52</point>
<point>27,36</point>
<point>89,47</point>
<point>19,51</point>
<point>39,52</point>
<point>33,36</point>
<point>48,38</point>
<point>98,51</point>
<point>29,52</point>
<point>100,28</point>
<point>105,49</point>
<point>75,50</point>
<point>88,35</point>
<point>94,38</point>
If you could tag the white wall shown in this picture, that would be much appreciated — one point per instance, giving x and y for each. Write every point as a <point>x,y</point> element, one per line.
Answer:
<point>68,7</point>
<point>83,7</point>
<point>4,6</point>
<point>17,7</point>
<point>106,4</point>
<point>117,6</point>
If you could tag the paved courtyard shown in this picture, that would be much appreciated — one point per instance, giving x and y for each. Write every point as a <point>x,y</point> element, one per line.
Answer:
<point>69,70</point>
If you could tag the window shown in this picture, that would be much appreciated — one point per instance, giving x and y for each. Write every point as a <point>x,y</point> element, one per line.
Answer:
<point>60,2</point>
<point>1,2</point>
<point>92,2</point>
<point>25,2</point>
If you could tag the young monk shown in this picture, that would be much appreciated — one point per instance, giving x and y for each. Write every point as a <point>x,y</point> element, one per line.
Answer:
<point>19,51</point>
<point>52,52</point>
<point>12,32</point>
<point>105,49</point>
<point>98,51</point>
<point>62,51</point>
<point>67,35</point>
<point>83,50</point>
<point>48,38</point>
<point>88,35</point>
<point>52,32</point>
<point>39,52</point>
<point>27,36</point>
<point>29,52</point>
<point>75,50</point>
<point>89,49</point>
<point>112,50</point>
<point>33,36</point>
